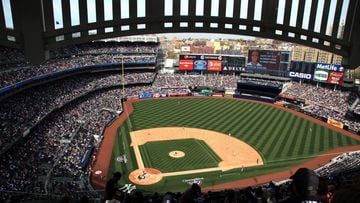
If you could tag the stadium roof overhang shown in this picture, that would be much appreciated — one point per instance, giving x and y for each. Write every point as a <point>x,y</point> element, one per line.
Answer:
<point>37,26</point>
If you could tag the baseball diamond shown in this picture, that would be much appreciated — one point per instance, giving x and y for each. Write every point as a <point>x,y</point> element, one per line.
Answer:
<point>280,139</point>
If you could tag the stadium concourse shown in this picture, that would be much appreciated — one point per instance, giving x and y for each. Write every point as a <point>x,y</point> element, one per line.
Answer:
<point>52,117</point>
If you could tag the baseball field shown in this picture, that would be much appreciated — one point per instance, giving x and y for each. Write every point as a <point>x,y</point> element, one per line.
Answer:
<point>166,143</point>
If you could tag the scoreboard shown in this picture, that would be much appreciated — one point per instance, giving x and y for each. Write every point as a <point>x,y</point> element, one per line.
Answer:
<point>212,63</point>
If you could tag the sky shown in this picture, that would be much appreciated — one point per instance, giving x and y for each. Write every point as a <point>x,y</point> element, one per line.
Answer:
<point>108,15</point>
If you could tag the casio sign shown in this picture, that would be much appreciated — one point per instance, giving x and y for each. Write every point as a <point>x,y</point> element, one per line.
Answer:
<point>300,75</point>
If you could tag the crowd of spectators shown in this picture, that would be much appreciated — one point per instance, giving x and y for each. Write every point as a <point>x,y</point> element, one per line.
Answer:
<point>325,102</point>
<point>54,149</point>
<point>109,47</point>
<point>75,56</point>
<point>337,100</point>
<point>195,80</point>
<point>19,113</point>
<point>11,58</point>
<point>56,65</point>
<point>341,164</point>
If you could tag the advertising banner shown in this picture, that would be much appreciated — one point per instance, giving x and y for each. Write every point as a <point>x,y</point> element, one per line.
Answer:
<point>214,65</point>
<point>200,65</point>
<point>321,76</point>
<point>186,64</point>
<point>299,75</point>
<point>335,123</point>
<point>329,67</point>
<point>336,78</point>
<point>232,64</point>
<point>203,62</point>
<point>145,95</point>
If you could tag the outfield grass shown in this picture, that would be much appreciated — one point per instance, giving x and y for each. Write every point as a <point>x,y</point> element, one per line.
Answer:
<point>197,155</point>
<point>276,134</point>
<point>283,139</point>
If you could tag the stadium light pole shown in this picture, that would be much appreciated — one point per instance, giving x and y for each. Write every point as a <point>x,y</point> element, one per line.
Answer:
<point>123,88</point>
<point>123,77</point>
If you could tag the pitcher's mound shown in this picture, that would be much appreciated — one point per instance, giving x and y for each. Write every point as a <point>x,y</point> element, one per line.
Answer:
<point>176,154</point>
<point>148,176</point>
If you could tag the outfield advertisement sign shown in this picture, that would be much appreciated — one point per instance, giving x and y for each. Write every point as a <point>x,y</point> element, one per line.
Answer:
<point>214,65</point>
<point>330,77</point>
<point>329,67</point>
<point>200,65</point>
<point>299,75</point>
<point>145,95</point>
<point>321,76</point>
<point>335,123</point>
<point>233,64</point>
<point>186,64</point>
<point>336,78</point>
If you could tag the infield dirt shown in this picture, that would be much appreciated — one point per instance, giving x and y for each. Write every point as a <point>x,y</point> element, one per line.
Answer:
<point>233,152</point>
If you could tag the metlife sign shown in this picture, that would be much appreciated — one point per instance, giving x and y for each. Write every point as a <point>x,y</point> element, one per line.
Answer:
<point>300,75</point>
<point>329,67</point>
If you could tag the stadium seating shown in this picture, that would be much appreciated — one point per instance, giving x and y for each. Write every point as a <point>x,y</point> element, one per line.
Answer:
<point>47,129</point>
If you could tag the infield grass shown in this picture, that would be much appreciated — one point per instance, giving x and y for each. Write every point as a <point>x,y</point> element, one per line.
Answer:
<point>197,155</point>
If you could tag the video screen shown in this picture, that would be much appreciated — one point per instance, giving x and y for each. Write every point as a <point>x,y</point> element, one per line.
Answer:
<point>268,60</point>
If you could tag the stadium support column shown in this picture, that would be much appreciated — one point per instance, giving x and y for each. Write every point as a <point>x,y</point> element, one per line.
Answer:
<point>353,60</point>
<point>28,18</point>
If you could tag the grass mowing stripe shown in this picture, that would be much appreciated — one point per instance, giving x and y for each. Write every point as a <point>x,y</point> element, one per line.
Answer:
<point>313,138</point>
<point>320,132</point>
<point>238,115</point>
<point>274,136</point>
<point>304,150</point>
<point>292,134</point>
<point>212,154</point>
<point>212,119</point>
<point>234,126</point>
<point>251,123</point>
<point>318,138</point>
<point>292,148</point>
<point>327,138</point>
<point>341,139</point>
<point>258,131</point>
<point>282,138</point>
<point>228,118</point>
<point>244,118</point>
<point>350,141</point>
<point>265,135</point>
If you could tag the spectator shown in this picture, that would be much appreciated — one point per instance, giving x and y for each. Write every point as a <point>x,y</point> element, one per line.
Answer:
<point>305,184</point>
<point>193,194</point>
<point>347,194</point>
<point>111,189</point>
